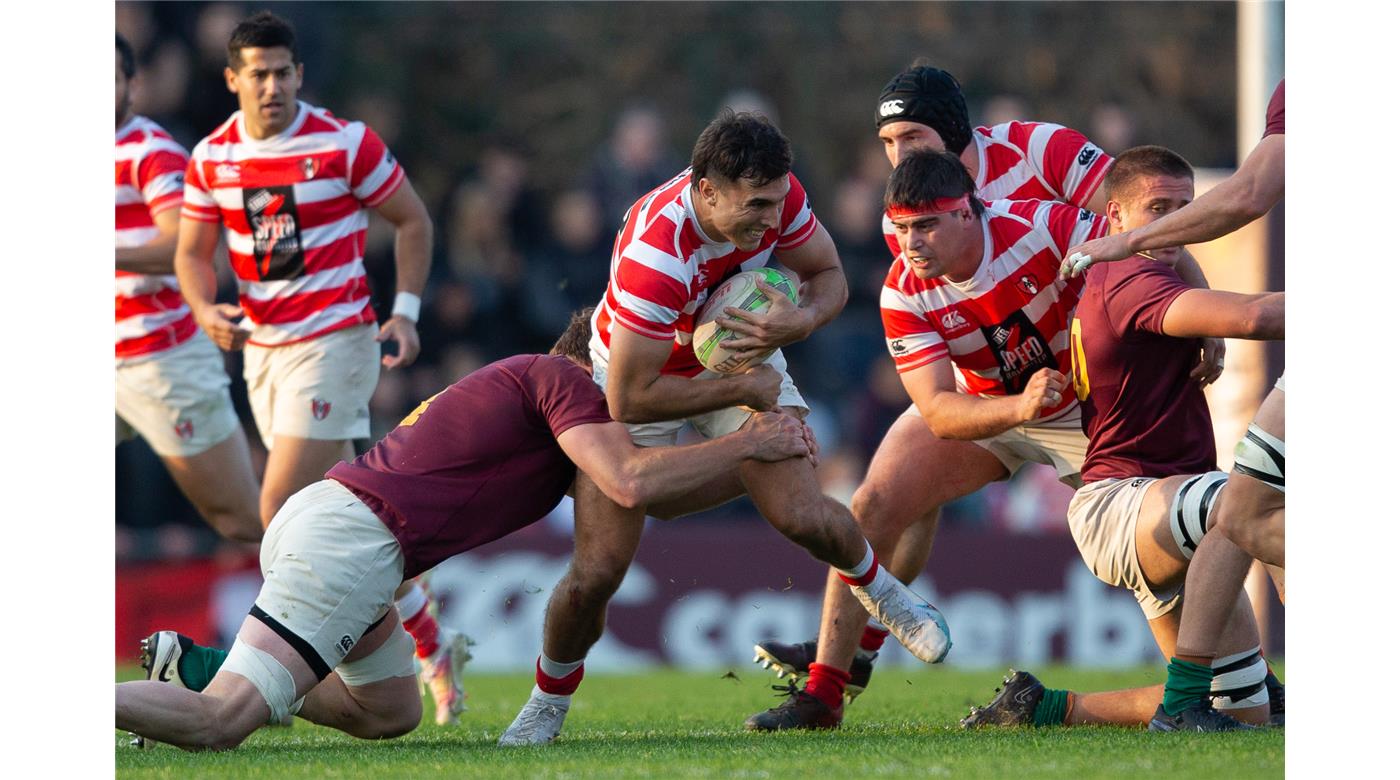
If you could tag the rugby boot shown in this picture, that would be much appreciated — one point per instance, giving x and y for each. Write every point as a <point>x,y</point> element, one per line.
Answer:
<point>1275,689</point>
<point>801,710</point>
<point>1014,704</point>
<point>539,720</point>
<point>792,661</point>
<point>160,658</point>
<point>442,675</point>
<point>917,624</point>
<point>1199,717</point>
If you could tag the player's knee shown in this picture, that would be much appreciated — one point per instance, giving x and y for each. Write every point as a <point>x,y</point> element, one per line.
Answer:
<point>876,512</point>
<point>595,581</point>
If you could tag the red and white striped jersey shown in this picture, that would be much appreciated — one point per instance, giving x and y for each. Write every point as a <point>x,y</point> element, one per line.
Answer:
<point>1011,318</point>
<point>664,267</point>
<point>151,315</point>
<point>293,210</point>
<point>1032,161</point>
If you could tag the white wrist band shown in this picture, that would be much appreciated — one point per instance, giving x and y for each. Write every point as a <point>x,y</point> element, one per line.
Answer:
<point>407,305</point>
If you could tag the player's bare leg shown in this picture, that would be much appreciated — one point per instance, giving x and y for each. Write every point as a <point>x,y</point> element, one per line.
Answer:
<point>442,652</point>
<point>606,536</point>
<point>379,710</point>
<point>891,500</point>
<point>293,463</point>
<point>1255,517</point>
<point>221,485</point>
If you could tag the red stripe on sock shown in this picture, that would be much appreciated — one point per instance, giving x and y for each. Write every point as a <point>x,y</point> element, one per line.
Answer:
<point>560,686</point>
<point>873,638</point>
<point>827,683</point>
<point>424,629</point>
<point>865,579</point>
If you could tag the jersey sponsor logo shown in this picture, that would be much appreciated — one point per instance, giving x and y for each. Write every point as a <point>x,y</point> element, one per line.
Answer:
<point>320,409</point>
<point>892,107</point>
<point>184,429</point>
<point>1087,156</point>
<point>226,172</point>
<point>272,214</point>
<point>1020,350</point>
<point>309,166</point>
<point>953,320</point>
<point>1028,284</point>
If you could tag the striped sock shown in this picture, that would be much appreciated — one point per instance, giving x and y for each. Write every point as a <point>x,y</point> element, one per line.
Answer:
<point>558,679</point>
<point>413,608</point>
<point>872,639</point>
<point>862,573</point>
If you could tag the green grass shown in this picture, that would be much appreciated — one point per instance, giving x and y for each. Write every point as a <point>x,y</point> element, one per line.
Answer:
<point>685,724</point>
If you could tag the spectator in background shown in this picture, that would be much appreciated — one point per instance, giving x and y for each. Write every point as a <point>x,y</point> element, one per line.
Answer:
<point>633,160</point>
<point>569,270</point>
<point>1113,126</point>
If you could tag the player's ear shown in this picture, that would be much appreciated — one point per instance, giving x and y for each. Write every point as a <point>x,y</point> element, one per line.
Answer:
<point>1114,211</point>
<point>231,80</point>
<point>300,74</point>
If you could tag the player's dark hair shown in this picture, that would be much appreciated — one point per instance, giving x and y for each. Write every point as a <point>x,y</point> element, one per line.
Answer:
<point>1142,161</point>
<point>925,175</point>
<point>573,343</point>
<point>262,30</point>
<point>930,96</point>
<point>740,146</point>
<point>128,56</point>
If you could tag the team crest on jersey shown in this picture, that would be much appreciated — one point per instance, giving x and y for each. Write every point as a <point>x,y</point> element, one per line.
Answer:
<point>319,408</point>
<point>309,166</point>
<point>1028,284</point>
<point>184,429</point>
<point>272,215</point>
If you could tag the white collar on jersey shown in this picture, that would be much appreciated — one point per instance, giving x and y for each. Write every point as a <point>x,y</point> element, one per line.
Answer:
<point>303,110</point>
<point>984,266</point>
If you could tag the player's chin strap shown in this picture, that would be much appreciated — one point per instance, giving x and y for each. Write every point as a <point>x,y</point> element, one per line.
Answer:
<point>1191,509</point>
<point>1260,455</point>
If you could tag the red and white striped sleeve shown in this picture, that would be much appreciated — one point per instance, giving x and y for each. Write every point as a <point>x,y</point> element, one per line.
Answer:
<point>798,223</point>
<point>199,202</point>
<point>1072,165</point>
<point>651,285</point>
<point>911,339</point>
<point>1069,225</point>
<point>375,174</point>
<point>160,176</point>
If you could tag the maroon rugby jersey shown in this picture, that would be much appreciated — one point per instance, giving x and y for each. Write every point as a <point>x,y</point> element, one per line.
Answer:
<point>478,460</point>
<point>1273,122</point>
<point>1142,413</point>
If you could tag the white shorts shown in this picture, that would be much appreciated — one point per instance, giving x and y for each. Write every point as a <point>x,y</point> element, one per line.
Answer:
<point>315,389</point>
<point>330,568</point>
<point>1059,442</point>
<point>711,425</point>
<point>177,400</point>
<point>1103,518</point>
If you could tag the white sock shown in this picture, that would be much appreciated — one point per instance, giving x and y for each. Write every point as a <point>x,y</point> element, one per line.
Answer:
<point>861,569</point>
<point>553,668</point>
<point>413,602</point>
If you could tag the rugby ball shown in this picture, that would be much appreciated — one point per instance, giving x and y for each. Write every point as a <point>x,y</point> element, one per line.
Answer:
<point>739,291</point>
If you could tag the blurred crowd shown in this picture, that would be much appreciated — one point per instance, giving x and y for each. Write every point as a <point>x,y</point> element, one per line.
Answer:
<point>528,129</point>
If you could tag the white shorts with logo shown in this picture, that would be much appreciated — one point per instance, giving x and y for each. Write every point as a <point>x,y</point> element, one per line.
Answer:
<point>177,399</point>
<point>314,389</point>
<point>330,568</point>
<point>1057,442</point>
<point>711,425</point>
<point>1103,518</point>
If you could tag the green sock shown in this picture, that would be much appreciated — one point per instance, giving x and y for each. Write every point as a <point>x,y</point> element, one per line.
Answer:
<point>198,665</point>
<point>1187,683</point>
<point>1051,709</point>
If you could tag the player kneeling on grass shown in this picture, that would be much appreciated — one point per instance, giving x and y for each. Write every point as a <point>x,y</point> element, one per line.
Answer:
<point>1151,489</point>
<point>489,455</point>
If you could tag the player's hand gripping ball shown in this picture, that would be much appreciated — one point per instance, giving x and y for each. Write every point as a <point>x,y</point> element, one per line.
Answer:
<point>739,291</point>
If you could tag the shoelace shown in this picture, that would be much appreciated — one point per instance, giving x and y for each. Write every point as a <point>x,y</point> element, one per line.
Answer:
<point>536,714</point>
<point>784,691</point>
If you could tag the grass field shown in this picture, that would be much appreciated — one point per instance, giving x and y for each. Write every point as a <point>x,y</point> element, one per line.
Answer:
<point>685,724</point>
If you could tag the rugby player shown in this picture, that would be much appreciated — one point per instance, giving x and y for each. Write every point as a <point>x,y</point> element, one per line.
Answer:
<point>1151,487</point>
<point>291,184</point>
<point>487,456</point>
<point>172,388</point>
<point>1252,515</point>
<point>923,107</point>
<point>736,208</point>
